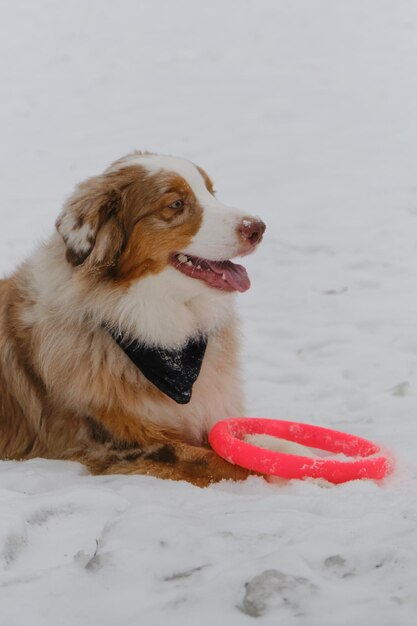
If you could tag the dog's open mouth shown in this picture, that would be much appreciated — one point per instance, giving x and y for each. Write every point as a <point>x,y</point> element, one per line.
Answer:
<point>223,275</point>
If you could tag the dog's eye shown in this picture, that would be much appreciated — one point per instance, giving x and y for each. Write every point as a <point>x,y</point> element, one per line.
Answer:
<point>177,205</point>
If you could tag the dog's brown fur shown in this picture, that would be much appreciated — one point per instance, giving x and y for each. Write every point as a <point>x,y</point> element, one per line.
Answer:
<point>66,389</point>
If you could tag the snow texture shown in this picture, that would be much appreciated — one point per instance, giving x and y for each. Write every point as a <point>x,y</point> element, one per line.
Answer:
<point>303,112</point>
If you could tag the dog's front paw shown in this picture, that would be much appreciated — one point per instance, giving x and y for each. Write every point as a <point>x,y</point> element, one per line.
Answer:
<point>203,466</point>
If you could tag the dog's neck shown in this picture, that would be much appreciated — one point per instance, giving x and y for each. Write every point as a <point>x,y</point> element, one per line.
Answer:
<point>169,309</point>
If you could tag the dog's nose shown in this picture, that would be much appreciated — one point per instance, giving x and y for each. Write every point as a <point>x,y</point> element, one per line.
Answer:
<point>251,230</point>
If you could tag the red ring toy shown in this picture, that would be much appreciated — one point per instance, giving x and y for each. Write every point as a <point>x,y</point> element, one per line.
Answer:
<point>226,439</point>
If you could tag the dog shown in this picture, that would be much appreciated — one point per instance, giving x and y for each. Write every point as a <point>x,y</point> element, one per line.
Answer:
<point>118,337</point>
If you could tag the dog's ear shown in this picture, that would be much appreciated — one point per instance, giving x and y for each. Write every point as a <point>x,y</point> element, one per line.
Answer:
<point>90,223</point>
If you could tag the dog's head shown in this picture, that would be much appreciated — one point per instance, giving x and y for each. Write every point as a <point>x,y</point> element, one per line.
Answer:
<point>150,212</point>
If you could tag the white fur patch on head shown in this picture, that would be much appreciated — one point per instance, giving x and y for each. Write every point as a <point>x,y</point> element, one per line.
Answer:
<point>78,238</point>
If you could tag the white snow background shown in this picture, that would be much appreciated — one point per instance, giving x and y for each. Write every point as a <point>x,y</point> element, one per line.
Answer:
<point>303,112</point>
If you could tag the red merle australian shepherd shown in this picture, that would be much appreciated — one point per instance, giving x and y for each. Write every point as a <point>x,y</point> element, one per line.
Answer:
<point>118,344</point>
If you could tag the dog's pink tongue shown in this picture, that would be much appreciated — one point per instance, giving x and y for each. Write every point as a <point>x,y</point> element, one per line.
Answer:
<point>233,274</point>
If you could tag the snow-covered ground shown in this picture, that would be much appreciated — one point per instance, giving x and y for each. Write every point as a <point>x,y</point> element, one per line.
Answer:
<point>305,113</point>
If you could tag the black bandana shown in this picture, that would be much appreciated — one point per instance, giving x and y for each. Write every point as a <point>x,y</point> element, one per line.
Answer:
<point>174,372</point>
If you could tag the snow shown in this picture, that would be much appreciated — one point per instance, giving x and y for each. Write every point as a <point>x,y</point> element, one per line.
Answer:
<point>304,113</point>
<point>291,447</point>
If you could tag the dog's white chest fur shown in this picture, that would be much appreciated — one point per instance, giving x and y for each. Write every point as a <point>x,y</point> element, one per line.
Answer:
<point>217,394</point>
